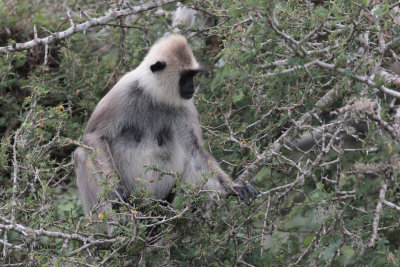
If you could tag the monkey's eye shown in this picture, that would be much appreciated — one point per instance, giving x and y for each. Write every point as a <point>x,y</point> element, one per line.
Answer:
<point>159,65</point>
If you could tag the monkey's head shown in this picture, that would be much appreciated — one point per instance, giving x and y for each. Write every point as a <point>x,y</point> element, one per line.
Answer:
<point>171,66</point>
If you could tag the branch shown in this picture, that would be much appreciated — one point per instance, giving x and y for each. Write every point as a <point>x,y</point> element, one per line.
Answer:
<point>13,246</point>
<point>92,22</point>
<point>364,79</point>
<point>389,77</point>
<point>390,204</point>
<point>285,71</point>
<point>27,231</point>
<point>378,210</point>
<point>331,96</point>
<point>359,78</point>
<point>385,125</point>
<point>316,239</point>
<point>265,157</point>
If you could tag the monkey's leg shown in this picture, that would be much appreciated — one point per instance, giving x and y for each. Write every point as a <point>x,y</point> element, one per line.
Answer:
<point>88,179</point>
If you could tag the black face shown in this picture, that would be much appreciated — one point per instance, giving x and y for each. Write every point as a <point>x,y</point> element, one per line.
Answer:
<point>186,85</point>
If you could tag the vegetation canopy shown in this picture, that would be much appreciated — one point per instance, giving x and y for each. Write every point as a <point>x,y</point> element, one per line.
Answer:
<point>281,72</point>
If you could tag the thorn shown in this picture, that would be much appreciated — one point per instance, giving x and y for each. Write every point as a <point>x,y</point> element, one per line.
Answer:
<point>46,52</point>
<point>70,19</point>
<point>86,15</point>
<point>48,31</point>
<point>34,31</point>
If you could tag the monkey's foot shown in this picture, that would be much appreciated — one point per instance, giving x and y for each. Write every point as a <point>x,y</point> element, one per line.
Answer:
<point>246,192</point>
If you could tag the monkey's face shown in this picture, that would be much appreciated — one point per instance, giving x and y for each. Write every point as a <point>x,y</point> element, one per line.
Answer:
<point>185,86</point>
<point>173,68</point>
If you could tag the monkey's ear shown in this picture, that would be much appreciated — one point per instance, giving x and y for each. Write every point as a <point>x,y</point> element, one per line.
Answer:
<point>159,65</point>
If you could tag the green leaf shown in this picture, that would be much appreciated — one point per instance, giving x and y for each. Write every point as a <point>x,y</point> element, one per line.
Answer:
<point>320,186</point>
<point>238,97</point>
<point>321,13</point>
<point>308,239</point>
<point>347,251</point>
<point>240,235</point>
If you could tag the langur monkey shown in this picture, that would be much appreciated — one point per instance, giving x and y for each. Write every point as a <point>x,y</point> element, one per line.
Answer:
<point>148,118</point>
<point>189,17</point>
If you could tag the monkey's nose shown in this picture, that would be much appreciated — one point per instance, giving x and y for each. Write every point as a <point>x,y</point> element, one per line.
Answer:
<point>203,69</point>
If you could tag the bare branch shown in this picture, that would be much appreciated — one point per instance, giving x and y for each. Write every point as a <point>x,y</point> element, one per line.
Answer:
<point>363,79</point>
<point>27,231</point>
<point>92,22</point>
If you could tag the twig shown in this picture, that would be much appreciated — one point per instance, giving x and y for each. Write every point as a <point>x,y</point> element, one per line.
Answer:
<point>265,224</point>
<point>285,71</point>
<point>6,244</point>
<point>265,157</point>
<point>310,246</point>
<point>324,65</point>
<point>286,36</point>
<point>179,215</point>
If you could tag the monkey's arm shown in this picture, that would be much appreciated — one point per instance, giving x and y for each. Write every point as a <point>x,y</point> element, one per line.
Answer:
<point>95,166</point>
<point>201,163</point>
<point>246,192</point>
<point>101,129</point>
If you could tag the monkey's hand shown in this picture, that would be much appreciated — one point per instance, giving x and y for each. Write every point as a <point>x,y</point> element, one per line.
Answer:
<point>122,192</point>
<point>246,192</point>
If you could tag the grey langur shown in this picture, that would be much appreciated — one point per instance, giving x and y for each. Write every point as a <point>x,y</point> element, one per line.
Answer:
<point>147,118</point>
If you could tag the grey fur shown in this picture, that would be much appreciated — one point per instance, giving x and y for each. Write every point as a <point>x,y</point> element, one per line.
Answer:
<point>130,129</point>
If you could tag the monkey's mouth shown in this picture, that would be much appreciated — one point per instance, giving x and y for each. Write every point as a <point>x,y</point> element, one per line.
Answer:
<point>187,95</point>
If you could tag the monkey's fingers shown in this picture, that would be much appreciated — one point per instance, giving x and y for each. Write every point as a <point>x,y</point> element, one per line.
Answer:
<point>246,192</point>
<point>124,194</point>
<point>253,192</point>
<point>244,195</point>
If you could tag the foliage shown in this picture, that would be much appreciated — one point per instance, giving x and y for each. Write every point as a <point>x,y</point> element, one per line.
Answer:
<point>278,67</point>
